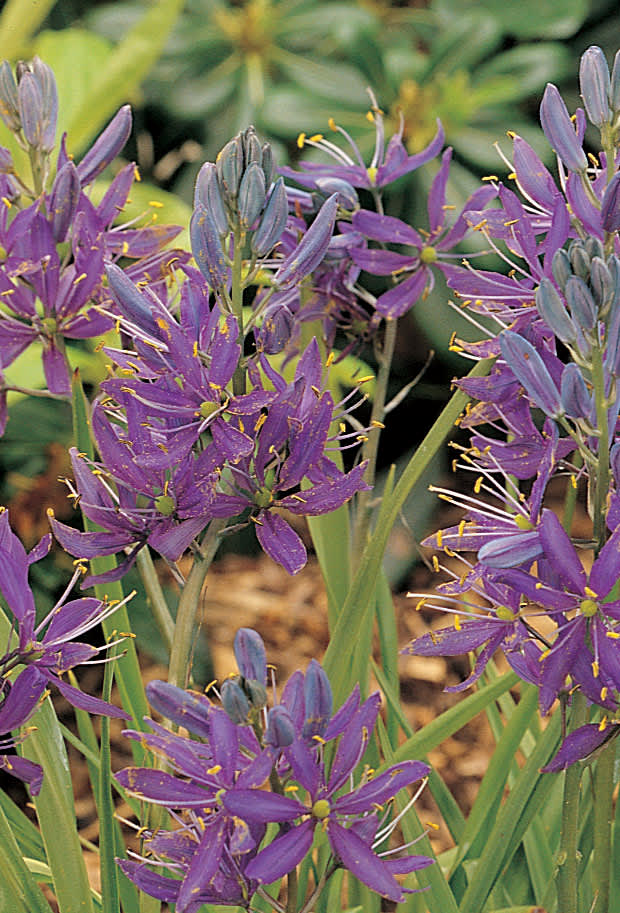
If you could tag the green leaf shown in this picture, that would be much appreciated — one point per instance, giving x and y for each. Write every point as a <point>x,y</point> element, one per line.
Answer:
<point>18,22</point>
<point>522,71</point>
<point>19,891</point>
<point>22,828</point>
<point>344,662</point>
<point>526,19</point>
<point>126,67</point>
<point>339,82</point>
<point>56,813</point>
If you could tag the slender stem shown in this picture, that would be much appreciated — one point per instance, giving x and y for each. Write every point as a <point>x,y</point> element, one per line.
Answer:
<point>155,596</point>
<point>602,476</point>
<point>603,814</point>
<point>185,627</point>
<point>567,853</point>
<point>291,891</point>
<point>371,446</point>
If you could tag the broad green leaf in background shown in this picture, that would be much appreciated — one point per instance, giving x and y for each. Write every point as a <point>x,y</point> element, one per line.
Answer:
<point>526,19</point>
<point>18,23</point>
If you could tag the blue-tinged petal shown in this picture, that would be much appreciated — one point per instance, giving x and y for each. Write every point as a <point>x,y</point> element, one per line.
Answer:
<point>90,544</point>
<point>76,615</point>
<point>280,541</point>
<point>203,866</point>
<point>257,771</point>
<point>381,788</point>
<point>132,302</point>
<point>282,855</point>
<point>224,744</point>
<point>23,698</point>
<point>553,311</point>
<point>343,715</point>
<point>606,568</point>
<point>326,496</point>
<point>162,788</point>
<point>559,662</point>
<point>398,300</point>
<point>14,577</point>
<point>165,889</point>
<point>560,550</point>
<point>580,744</point>
<point>87,702</point>
<point>533,177</point>
<point>387,229</point>
<point>27,771</point>
<point>610,208</point>
<point>353,743</point>
<point>510,551</point>
<point>382,262</point>
<point>250,654</point>
<point>171,540</point>
<point>306,770</point>
<point>312,247</point>
<point>318,699</point>
<point>107,146</point>
<point>359,859</point>
<point>189,709</point>
<point>454,641</point>
<point>397,162</point>
<point>262,806</point>
<point>559,130</point>
<point>595,85</point>
<point>531,371</point>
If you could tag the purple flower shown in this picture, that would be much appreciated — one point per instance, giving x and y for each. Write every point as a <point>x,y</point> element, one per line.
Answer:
<point>430,248</point>
<point>47,649</point>
<point>386,166</point>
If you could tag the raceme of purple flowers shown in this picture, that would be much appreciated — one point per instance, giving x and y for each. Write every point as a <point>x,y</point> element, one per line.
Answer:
<point>215,791</point>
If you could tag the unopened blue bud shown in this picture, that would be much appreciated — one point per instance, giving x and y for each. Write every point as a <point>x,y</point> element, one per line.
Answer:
<point>6,161</point>
<point>130,300</point>
<point>185,708</point>
<point>49,94</point>
<point>318,701</point>
<point>594,247</point>
<point>273,221</point>
<point>276,328</point>
<point>595,85</point>
<point>347,195</point>
<point>207,194</point>
<point>574,393</point>
<point>614,89</point>
<point>252,149</point>
<point>267,163</point>
<point>280,732</point>
<point>234,701</point>
<point>107,146</point>
<point>229,165</point>
<point>531,372</point>
<point>250,655</point>
<point>602,285</point>
<point>312,247</point>
<point>610,206</point>
<point>553,311</point>
<point>581,303</point>
<point>30,108</point>
<point>9,103</point>
<point>207,248</point>
<point>561,267</point>
<point>64,200</point>
<point>559,130</point>
<point>252,195</point>
<point>579,260</point>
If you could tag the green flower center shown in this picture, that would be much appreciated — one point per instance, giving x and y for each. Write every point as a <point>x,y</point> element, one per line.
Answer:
<point>165,505</point>
<point>428,255</point>
<point>207,409</point>
<point>50,324</point>
<point>588,607</point>
<point>321,809</point>
<point>504,613</point>
<point>263,497</point>
<point>523,523</point>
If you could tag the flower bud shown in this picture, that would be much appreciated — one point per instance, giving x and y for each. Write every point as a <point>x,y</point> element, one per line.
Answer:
<point>107,146</point>
<point>229,167</point>
<point>9,103</point>
<point>49,94</point>
<point>318,701</point>
<point>531,372</point>
<point>267,163</point>
<point>64,200</point>
<point>207,248</point>
<point>252,150</point>
<point>251,195</point>
<point>312,247</point>
<point>594,247</point>
<point>576,399</point>
<point>185,708</point>
<point>234,701</point>
<point>347,195</point>
<point>553,311</point>
<point>595,85</point>
<point>207,194</point>
<point>250,655</point>
<point>280,732</point>
<point>273,221</point>
<point>276,328</point>
<point>614,88</point>
<point>579,260</point>
<point>610,206</point>
<point>559,130</point>
<point>581,303</point>
<point>602,285</point>
<point>30,108</point>
<point>561,268</point>
<point>130,300</point>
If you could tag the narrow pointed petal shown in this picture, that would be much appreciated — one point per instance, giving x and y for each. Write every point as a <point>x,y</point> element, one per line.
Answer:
<point>358,858</point>
<point>283,855</point>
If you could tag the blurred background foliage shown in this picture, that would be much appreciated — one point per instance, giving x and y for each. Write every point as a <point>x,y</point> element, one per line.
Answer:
<point>197,71</point>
